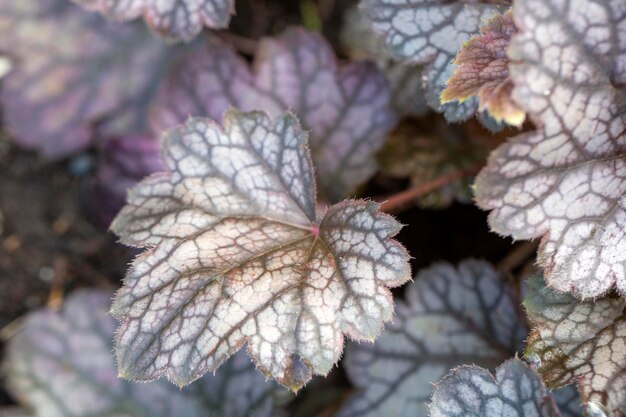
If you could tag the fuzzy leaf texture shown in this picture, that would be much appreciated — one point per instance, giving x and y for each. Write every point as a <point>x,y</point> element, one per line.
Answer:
<point>581,343</point>
<point>483,71</point>
<point>430,32</point>
<point>240,254</point>
<point>360,42</point>
<point>470,391</point>
<point>177,19</point>
<point>60,365</point>
<point>566,182</point>
<point>347,109</point>
<point>451,316</point>
<point>74,75</point>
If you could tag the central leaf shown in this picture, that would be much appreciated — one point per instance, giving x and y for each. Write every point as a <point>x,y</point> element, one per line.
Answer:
<point>240,253</point>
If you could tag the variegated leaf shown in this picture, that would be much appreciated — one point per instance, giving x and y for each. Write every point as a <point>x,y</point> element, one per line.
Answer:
<point>72,71</point>
<point>362,43</point>
<point>483,71</point>
<point>178,19</point>
<point>346,109</point>
<point>60,365</point>
<point>566,182</point>
<point>451,316</point>
<point>470,391</point>
<point>581,342</point>
<point>240,254</point>
<point>430,32</point>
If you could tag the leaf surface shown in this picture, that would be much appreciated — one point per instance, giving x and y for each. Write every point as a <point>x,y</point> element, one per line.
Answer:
<point>430,32</point>
<point>451,316</point>
<point>73,74</point>
<point>516,391</point>
<point>346,109</point>
<point>60,365</point>
<point>483,71</point>
<point>239,253</point>
<point>360,42</point>
<point>178,19</point>
<point>566,182</point>
<point>580,342</point>
<point>123,162</point>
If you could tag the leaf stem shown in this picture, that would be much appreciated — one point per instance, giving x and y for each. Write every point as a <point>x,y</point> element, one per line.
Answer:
<point>396,202</point>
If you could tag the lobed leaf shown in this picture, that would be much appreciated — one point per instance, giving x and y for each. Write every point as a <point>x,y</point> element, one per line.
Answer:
<point>430,32</point>
<point>580,342</point>
<point>60,365</point>
<point>240,254</point>
<point>451,316</point>
<point>483,71</point>
<point>346,109</point>
<point>360,42</point>
<point>566,182</point>
<point>178,19</point>
<point>516,391</point>
<point>73,73</point>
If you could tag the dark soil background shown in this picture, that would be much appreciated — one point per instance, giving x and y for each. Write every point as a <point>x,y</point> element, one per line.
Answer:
<point>51,241</point>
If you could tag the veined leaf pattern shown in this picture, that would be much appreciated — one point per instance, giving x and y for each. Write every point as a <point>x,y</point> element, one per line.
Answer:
<point>566,182</point>
<point>451,316</point>
<point>516,391</point>
<point>178,19</point>
<point>430,32</point>
<point>347,109</point>
<point>60,365</point>
<point>580,342</point>
<point>75,76</point>
<point>239,254</point>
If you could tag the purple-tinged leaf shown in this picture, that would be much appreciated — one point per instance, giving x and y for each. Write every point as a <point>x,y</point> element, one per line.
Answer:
<point>73,70</point>
<point>346,109</point>
<point>580,342</point>
<point>239,253</point>
<point>470,391</point>
<point>60,365</point>
<point>178,19</point>
<point>123,163</point>
<point>451,316</point>
<point>430,32</point>
<point>483,71</point>
<point>566,182</point>
<point>405,79</point>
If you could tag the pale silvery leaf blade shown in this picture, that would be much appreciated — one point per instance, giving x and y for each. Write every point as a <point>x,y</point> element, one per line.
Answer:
<point>361,42</point>
<point>347,108</point>
<point>470,391</point>
<point>430,32</point>
<point>451,316</point>
<point>74,74</point>
<point>566,182</point>
<point>579,342</point>
<point>60,365</point>
<point>239,255</point>
<point>178,19</point>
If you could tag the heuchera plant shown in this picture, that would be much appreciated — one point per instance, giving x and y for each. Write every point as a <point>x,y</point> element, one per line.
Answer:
<point>249,182</point>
